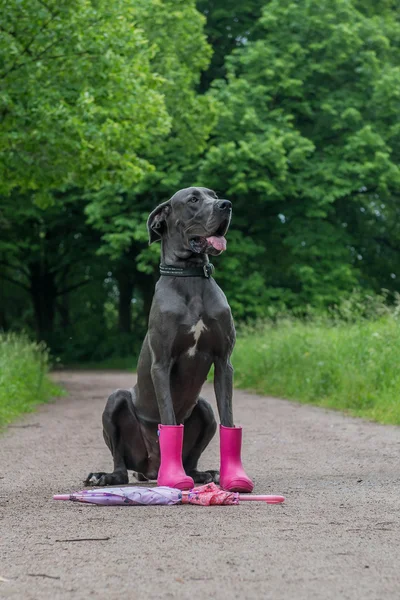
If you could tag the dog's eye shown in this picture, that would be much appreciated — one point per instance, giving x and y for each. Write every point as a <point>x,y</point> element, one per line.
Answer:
<point>193,199</point>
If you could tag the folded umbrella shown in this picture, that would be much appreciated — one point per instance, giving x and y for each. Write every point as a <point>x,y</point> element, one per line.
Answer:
<point>205,495</point>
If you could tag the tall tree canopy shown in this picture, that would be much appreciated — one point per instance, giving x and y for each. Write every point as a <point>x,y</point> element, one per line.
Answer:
<point>174,31</point>
<point>307,144</point>
<point>289,109</point>
<point>79,103</point>
<point>101,119</point>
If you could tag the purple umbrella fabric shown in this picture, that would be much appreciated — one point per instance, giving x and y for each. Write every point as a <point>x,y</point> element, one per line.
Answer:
<point>137,496</point>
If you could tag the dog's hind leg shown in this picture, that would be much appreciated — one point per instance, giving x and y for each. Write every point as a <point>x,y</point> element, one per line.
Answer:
<point>200,428</point>
<point>122,434</point>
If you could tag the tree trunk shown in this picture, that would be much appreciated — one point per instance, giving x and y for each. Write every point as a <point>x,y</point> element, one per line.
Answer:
<point>146,284</point>
<point>43,292</point>
<point>3,320</point>
<point>125,288</point>
<point>148,293</point>
<point>63,311</point>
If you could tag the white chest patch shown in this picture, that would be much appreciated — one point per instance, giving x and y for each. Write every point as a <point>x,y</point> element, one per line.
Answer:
<point>197,330</point>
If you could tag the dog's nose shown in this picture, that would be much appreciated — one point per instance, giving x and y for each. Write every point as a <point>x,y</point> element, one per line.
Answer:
<point>225,205</point>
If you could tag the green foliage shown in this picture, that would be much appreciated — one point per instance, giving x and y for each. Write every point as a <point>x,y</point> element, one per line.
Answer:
<point>174,31</point>
<point>289,109</point>
<point>307,146</point>
<point>79,102</point>
<point>96,99</point>
<point>351,367</point>
<point>24,380</point>
<point>238,274</point>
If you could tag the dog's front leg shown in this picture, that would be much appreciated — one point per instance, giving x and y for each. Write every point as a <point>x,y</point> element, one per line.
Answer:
<point>232,475</point>
<point>160,341</point>
<point>223,387</point>
<point>171,472</point>
<point>160,374</point>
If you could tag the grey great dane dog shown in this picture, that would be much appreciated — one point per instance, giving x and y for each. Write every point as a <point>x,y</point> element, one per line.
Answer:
<point>190,329</point>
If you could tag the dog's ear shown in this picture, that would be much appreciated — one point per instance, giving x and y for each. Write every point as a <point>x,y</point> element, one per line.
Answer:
<point>156,223</point>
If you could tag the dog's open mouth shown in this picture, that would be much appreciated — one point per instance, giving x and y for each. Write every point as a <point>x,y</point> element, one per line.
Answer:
<point>216,242</point>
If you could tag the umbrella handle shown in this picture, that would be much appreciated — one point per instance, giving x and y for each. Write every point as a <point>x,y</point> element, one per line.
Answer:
<point>62,497</point>
<point>255,498</point>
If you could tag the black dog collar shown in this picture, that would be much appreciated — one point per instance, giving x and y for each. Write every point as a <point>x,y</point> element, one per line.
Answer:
<point>204,271</point>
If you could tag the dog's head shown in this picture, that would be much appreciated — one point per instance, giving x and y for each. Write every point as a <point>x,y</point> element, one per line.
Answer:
<point>194,218</point>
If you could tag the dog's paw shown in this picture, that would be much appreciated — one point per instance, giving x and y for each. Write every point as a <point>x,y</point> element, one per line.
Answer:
<point>205,476</point>
<point>95,479</point>
<point>215,476</point>
<point>100,479</point>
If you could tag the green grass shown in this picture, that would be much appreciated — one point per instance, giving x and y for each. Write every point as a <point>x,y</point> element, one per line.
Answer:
<point>349,366</point>
<point>24,380</point>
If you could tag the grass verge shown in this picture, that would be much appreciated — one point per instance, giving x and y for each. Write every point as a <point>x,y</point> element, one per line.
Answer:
<point>348,366</point>
<point>24,380</point>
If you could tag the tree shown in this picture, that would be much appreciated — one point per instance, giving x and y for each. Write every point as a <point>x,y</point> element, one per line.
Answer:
<point>174,30</point>
<point>79,104</point>
<point>308,138</point>
<point>106,96</point>
<point>47,254</point>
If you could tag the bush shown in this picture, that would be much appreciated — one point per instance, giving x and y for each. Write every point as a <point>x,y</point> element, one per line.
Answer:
<point>24,380</point>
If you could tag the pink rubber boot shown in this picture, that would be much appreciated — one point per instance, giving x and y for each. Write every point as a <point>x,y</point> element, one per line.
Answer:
<point>171,471</point>
<point>232,476</point>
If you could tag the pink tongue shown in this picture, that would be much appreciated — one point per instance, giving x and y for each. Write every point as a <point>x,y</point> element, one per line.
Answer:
<point>217,241</point>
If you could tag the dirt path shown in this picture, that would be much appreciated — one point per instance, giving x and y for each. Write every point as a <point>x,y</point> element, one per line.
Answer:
<point>336,537</point>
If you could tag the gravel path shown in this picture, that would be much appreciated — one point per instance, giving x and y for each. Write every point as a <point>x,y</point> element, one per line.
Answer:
<point>336,537</point>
